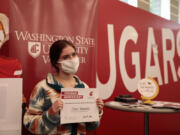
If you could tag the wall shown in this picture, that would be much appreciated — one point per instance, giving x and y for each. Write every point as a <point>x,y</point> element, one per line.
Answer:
<point>174,10</point>
<point>144,4</point>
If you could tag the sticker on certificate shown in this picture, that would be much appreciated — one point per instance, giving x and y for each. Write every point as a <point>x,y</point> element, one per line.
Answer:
<point>79,105</point>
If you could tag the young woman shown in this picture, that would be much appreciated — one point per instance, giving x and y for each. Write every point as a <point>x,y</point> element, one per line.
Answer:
<point>43,115</point>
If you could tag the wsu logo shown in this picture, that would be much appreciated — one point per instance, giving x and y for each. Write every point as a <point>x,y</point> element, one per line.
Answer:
<point>34,49</point>
<point>91,93</point>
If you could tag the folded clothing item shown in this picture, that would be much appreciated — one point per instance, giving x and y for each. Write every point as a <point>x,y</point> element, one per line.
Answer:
<point>125,99</point>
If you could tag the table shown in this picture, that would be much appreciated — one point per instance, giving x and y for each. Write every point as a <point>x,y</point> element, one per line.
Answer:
<point>158,107</point>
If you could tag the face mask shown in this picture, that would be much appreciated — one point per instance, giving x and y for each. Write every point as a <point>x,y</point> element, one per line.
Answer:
<point>70,66</point>
<point>1,37</point>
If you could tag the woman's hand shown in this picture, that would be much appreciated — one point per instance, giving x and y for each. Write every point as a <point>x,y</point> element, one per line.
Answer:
<point>56,106</point>
<point>100,104</point>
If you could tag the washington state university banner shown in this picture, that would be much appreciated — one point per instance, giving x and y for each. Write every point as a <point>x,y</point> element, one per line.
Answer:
<point>36,24</point>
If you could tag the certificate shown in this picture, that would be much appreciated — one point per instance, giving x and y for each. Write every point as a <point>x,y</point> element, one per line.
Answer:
<point>79,105</point>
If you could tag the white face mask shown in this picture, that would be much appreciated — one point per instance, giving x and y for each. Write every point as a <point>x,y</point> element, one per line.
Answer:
<point>4,29</point>
<point>70,66</point>
<point>2,37</point>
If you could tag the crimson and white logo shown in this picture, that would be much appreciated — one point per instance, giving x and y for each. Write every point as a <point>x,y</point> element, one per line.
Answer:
<point>34,49</point>
<point>91,93</point>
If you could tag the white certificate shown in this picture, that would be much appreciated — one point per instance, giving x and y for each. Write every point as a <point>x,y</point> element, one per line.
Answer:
<point>79,105</point>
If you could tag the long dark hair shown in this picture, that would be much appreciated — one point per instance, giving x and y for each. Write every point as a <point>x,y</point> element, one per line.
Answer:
<point>56,50</point>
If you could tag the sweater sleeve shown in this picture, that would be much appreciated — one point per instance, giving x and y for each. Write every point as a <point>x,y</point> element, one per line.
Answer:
<point>37,119</point>
<point>94,125</point>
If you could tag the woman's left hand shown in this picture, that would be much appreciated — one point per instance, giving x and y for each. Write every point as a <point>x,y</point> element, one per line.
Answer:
<point>100,104</point>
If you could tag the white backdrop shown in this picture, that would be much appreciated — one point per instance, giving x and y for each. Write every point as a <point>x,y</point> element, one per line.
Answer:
<point>10,106</point>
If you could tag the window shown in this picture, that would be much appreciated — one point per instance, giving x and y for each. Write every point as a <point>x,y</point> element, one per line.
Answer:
<point>160,7</point>
<point>165,9</point>
<point>130,2</point>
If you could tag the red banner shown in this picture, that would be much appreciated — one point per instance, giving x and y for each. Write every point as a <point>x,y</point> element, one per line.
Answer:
<point>134,44</point>
<point>35,25</point>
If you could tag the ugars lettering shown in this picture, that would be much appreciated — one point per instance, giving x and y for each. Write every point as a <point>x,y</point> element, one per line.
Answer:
<point>129,33</point>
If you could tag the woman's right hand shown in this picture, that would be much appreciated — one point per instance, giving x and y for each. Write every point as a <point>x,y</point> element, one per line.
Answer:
<point>57,106</point>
